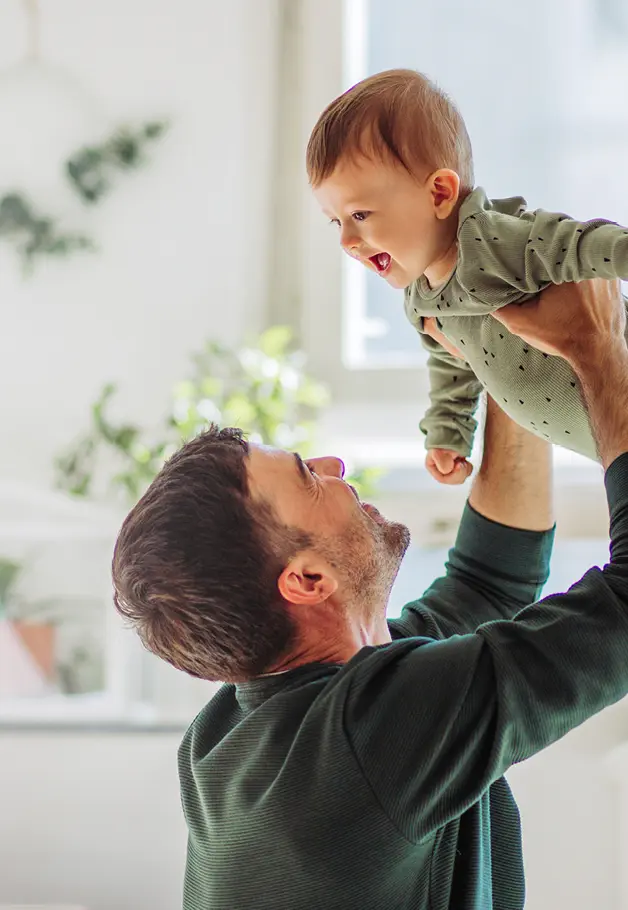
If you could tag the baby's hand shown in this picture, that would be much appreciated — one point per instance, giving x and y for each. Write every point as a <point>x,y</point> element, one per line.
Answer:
<point>447,467</point>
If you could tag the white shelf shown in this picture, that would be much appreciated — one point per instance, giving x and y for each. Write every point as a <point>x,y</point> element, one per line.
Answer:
<point>91,709</point>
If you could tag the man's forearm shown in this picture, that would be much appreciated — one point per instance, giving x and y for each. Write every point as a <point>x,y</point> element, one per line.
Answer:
<point>514,483</point>
<point>603,375</point>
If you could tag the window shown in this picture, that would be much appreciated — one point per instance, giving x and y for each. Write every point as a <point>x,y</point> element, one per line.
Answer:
<point>376,331</point>
<point>610,23</point>
<point>549,132</point>
<point>355,332</point>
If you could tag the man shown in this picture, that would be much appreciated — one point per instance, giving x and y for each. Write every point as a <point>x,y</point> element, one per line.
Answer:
<point>351,762</point>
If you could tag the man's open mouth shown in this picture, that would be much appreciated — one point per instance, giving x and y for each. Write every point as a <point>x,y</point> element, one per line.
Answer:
<point>381,261</point>
<point>373,513</point>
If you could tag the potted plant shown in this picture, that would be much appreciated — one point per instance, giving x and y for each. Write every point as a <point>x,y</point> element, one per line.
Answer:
<point>27,642</point>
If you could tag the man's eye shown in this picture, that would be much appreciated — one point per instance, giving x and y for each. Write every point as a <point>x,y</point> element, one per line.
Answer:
<point>360,216</point>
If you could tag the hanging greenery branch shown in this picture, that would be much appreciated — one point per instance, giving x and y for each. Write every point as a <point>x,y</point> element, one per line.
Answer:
<point>34,234</point>
<point>91,169</point>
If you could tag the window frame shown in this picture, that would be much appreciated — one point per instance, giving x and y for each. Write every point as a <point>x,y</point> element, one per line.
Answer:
<point>320,74</point>
<point>325,278</point>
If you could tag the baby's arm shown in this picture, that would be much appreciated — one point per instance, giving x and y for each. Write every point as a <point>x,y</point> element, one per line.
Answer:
<point>504,257</point>
<point>454,395</point>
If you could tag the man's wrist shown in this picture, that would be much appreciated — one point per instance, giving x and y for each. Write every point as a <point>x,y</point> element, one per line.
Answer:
<point>513,485</point>
<point>586,355</point>
<point>603,376</point>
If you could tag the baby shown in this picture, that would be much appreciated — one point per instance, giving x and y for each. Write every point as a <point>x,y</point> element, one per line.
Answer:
<point>391,165</point>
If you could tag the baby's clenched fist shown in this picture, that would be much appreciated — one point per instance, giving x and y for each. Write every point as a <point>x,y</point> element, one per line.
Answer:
<point>447,467</point>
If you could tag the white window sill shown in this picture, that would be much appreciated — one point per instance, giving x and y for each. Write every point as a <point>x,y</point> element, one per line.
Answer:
<point>388,437</point>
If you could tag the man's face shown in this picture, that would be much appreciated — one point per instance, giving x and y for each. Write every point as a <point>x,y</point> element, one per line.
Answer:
<point>385,217</point>
<point>362,546</point>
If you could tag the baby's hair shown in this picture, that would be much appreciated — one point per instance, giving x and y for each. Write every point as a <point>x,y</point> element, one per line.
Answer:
<point>400,115</point>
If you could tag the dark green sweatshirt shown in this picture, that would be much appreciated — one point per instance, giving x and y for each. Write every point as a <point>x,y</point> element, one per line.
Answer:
<point>378,784</point>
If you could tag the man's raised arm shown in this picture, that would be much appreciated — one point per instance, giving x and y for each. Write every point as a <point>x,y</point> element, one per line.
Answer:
<point>500,560</point>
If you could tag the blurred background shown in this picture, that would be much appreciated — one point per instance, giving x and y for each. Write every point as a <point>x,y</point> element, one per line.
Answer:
<point>161,265</point>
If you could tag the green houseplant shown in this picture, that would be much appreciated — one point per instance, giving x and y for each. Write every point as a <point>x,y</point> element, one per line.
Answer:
<point>27,619</point>
<point>262,387</point>
<point>9,572</point>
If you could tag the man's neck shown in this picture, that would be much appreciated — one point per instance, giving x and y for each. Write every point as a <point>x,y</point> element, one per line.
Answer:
<point>329,644</point>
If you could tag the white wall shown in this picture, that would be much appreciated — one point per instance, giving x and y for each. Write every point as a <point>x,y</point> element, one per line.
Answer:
<point>95,819</point>
<point>571,819</point>
<point>184,241</point>
<point>92,820</point>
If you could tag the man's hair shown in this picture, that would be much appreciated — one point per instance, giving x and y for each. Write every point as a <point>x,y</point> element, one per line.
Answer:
<point>196,564</point>
<point>399,115</point>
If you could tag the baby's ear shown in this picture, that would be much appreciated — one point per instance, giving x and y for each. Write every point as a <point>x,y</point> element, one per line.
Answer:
<point>445,188</point>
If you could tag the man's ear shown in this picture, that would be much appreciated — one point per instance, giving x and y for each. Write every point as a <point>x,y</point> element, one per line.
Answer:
<point>307,580</point>
<point>445,189</point>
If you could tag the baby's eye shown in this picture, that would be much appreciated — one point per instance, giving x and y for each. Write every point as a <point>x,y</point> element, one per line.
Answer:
<point>360,216</point>
<point>334,221</point>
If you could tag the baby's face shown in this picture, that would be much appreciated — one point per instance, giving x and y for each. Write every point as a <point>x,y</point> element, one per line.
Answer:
<point>387,220</point>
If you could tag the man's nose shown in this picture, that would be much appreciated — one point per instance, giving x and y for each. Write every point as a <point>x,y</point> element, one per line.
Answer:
<point>329,465</point>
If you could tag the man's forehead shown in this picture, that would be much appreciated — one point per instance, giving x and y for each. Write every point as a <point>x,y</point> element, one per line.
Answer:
<point>259,450</point>
<point>265,458</point>
<point>271,472</point>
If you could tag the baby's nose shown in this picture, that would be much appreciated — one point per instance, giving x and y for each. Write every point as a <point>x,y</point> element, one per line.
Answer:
<point>349,240</point>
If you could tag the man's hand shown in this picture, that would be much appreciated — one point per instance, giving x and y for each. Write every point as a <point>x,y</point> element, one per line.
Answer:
<point>430,328</point>
<point>447,466</point>
<point>585,323</point>
<point>573,321</point>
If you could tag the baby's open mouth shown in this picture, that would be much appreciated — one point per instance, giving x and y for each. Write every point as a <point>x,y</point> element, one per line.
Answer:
<point>381,261</point>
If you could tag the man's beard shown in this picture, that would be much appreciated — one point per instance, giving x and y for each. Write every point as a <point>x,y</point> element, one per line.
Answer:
<point>391,540</point>
<point>397,539</point>
<point>369,556</point>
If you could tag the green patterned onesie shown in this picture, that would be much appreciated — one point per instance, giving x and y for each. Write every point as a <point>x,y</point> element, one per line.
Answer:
<point>507,254</point>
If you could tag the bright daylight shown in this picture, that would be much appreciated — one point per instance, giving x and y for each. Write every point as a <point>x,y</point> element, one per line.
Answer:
<point>314,475</point>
